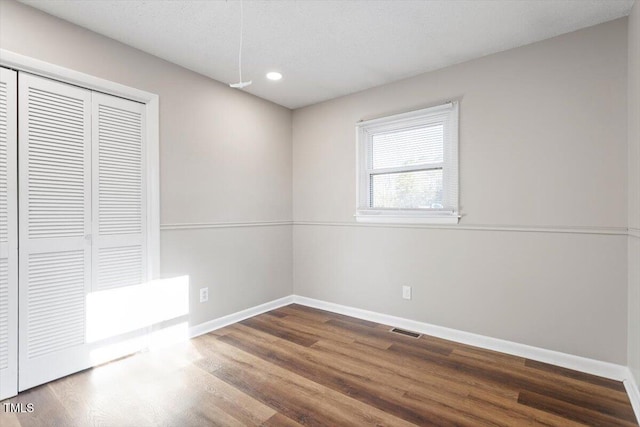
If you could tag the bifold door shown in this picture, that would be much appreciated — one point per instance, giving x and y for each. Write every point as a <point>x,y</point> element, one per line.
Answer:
<point>55,228</point>
<point>82,218</point>
<point>8,235</point>
<point>119,205</point>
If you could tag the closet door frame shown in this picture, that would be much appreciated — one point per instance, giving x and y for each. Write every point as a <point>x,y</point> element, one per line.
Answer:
<point>9,249</point>
<point>151,101</point>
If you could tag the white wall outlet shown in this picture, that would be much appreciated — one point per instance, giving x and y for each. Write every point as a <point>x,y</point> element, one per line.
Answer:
<point>406,292</point>
<point>204,294</point>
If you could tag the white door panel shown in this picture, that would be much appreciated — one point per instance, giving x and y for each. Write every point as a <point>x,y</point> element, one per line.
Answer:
<point>55,220</point>
<point>119,189</point>
<point>8,234</point>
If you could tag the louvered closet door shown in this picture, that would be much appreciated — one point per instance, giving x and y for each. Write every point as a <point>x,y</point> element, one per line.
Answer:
<point>8,234</point>
<point>55,227</point>
<point>119,206</point>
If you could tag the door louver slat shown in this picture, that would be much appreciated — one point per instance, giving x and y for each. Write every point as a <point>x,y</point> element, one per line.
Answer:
<point>120,170</point>
<point>119,267</point>
<point>49,163</point>
<point>4,315</point>
<point>3,165</point>
<point>56,313</point>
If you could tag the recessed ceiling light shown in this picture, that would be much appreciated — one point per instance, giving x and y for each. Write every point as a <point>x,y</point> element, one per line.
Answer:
<point>274,75</point>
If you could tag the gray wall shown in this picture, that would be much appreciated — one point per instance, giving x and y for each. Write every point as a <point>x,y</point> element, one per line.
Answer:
<point>225,156</point>
<point>542,144</point>
<point>634,191</point>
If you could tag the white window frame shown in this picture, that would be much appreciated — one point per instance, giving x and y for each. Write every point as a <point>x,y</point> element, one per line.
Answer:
<point>151,101</point>
<point>447,114</point>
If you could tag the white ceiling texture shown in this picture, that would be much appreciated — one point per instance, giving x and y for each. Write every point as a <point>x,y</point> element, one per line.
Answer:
<point>326,49</point>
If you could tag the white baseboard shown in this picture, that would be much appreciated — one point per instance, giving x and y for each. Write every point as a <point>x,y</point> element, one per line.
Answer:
<point>578,363</point>
<point>569,361</point>
<point>212,325</point>
<point>634,393</point>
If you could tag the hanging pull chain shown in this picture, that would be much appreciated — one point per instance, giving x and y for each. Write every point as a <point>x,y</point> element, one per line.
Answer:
<point>240,83</point>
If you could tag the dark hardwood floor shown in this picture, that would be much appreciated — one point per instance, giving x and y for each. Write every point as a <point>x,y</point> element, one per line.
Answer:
<point>300,366</point>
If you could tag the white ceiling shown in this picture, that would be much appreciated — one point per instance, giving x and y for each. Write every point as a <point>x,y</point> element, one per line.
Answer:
<point>327,49</point>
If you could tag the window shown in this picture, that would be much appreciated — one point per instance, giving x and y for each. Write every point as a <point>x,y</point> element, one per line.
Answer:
<point>408,167</point>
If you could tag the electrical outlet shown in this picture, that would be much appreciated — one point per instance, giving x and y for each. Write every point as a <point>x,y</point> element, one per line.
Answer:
<point>204,294</point>
<point>406,292</point>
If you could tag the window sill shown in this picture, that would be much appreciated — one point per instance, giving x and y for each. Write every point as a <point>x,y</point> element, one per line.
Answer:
<point>376,217</point>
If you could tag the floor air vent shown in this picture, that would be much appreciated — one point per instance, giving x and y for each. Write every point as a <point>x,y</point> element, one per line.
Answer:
<point>406,333</point>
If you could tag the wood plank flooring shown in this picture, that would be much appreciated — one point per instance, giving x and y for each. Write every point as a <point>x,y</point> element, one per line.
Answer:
<point>300,366</point>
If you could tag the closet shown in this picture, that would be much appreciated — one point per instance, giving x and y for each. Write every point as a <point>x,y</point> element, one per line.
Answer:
<point>72,199</point>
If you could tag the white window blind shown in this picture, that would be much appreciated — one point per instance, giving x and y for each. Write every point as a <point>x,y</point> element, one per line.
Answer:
<point>408,167</point>
<point>408,147</point>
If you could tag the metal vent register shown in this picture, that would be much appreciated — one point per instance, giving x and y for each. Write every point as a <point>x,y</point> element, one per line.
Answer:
<point>405,333</point>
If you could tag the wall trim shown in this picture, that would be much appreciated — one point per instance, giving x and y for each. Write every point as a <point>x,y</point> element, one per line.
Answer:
<point>221,322</point>
<point>66,75</point>
<point>578,363</point>
<point>633,391</point>
<point>480,227</point>
<point>610,231</point>
<point>202,225</point>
